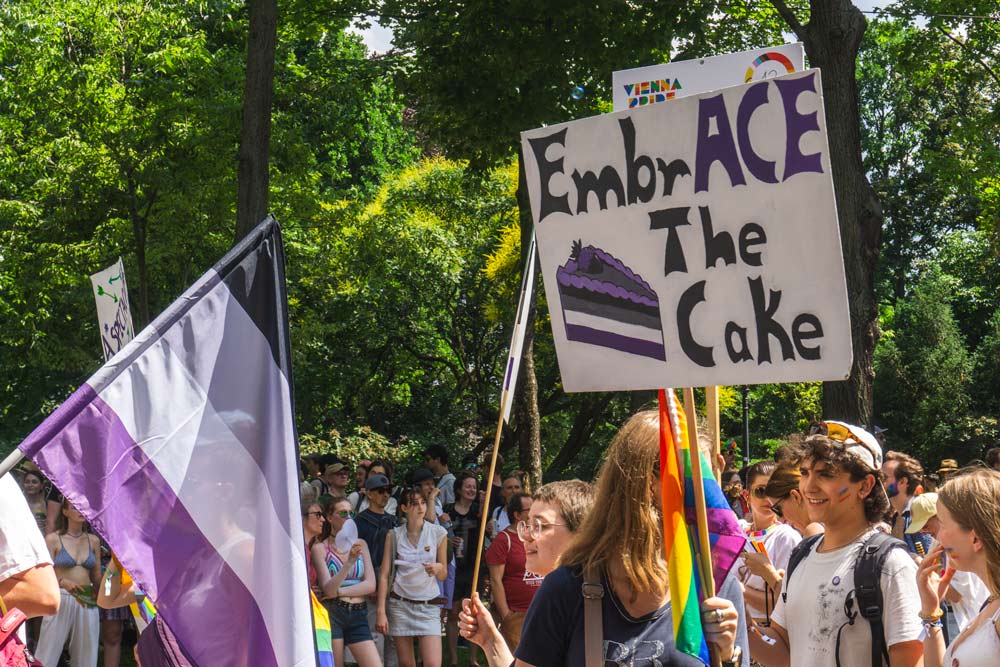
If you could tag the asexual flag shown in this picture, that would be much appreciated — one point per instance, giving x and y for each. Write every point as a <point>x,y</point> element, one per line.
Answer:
<point>181,453</point>
<point>520,328</point>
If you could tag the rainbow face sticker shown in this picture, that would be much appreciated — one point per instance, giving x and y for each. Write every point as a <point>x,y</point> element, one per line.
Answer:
<point>767,66</point>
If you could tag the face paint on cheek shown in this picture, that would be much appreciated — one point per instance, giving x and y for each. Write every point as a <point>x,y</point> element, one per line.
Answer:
<point>842,494</point>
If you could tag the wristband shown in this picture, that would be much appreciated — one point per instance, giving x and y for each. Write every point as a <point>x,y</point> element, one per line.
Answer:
<point>934,616</point>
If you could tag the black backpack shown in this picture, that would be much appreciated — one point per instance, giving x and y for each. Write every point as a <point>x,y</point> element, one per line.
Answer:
<point>867,592</point>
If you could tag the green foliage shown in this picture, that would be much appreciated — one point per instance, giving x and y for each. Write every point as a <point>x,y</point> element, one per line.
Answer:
<point>362,443</point>
<point>390,317</point>
<point>923,371</point>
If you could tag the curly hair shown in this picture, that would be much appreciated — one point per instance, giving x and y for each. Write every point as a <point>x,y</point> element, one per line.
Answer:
<point>822,449</point>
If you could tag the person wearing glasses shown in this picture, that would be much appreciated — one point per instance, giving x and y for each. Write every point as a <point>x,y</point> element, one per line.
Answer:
<point>374,523</point>
<point>788,503</point>
<point>346,577</point>
<point>620,545</point>
<point>761,569</point>
<point>556,513</point>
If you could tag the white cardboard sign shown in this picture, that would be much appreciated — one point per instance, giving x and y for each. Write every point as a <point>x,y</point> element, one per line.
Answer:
<point>643,86</point>
<point>695,243</point>
<point>114,318</point>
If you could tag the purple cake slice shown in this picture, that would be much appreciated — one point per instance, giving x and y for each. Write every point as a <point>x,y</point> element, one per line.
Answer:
<point>606,303</point>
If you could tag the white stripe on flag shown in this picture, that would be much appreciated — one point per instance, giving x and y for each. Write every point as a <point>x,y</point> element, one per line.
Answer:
<point>217,480</point>
<point>517,337</point>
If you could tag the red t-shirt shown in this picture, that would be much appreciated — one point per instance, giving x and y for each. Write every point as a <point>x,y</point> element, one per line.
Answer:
<point>520,586</point>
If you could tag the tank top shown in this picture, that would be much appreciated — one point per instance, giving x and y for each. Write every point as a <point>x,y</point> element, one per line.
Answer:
<point>334,564</point>
<point>979,649</point>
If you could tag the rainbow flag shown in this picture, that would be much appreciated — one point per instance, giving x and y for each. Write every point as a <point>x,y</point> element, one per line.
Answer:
<point>724,532</point>
<point>688,634</point>
<point>324,645</point>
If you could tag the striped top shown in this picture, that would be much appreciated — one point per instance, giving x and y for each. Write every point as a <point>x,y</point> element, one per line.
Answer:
<point>334,564</point>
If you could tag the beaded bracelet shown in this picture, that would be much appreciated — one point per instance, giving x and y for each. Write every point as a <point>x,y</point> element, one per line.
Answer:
<point>932,624</point>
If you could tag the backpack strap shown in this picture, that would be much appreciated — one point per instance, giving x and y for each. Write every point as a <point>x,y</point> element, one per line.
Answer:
<point>868,588</point>
<point>593,619</point>
<point>801,550</point>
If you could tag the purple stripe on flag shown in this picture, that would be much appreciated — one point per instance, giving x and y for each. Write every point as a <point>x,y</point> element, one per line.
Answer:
<point>85,449</point>
<point>506,380</point>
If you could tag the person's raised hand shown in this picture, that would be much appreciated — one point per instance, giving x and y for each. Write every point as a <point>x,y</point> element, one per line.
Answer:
<point>930,583</point>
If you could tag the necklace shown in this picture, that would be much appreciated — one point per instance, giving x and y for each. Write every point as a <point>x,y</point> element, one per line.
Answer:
<point>74,536</point>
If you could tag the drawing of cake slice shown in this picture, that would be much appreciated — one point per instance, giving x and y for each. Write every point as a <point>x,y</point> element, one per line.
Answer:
<point>605,303</point>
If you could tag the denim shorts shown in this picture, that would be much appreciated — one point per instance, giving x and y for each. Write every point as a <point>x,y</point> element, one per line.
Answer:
<point>348,621</point>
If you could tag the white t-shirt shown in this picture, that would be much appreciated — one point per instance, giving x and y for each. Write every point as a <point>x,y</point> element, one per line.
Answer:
<point>447,486</point>
<point>815,609</point>
<point>779,542</point>
<point>412,582</point>
<point>22,545</point>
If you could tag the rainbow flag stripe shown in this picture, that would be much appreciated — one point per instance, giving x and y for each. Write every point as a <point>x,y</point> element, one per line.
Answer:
<point>324,644</point>
<point>688,634</point>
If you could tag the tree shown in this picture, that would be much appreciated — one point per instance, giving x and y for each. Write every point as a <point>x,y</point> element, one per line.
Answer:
<point>924,371</point>
<point>832,37</point>
<point>481,73</point>
<point>253,181</point>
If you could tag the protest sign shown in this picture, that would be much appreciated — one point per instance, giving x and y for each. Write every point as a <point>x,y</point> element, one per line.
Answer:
<point>694,243</point>
<point>114,318</point>
<point>643,86</point>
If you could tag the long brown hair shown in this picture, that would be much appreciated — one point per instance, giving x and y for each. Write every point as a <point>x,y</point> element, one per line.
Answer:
<point>62,523</point>
<point>626,524</point>
<point>973,499</point>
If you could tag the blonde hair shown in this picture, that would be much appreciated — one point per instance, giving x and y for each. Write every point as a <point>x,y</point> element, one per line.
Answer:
<point>627,525</point>
<point>973,499</point>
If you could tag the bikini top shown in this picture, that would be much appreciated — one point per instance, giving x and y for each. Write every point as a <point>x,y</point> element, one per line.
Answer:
<point>334,563</point>
<point>65,558</point>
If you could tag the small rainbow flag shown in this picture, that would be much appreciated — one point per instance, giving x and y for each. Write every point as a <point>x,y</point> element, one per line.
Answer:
<point>324,643</point>
<point>688,635</point>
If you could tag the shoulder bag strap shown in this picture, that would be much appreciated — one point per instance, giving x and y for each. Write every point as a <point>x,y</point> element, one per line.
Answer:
<point>593,620</point>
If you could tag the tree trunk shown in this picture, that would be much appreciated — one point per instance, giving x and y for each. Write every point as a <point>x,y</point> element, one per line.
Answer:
<point>529,438</point>
<point>252,180</point>
<point>591,409</point>
<point>832,39</point>
<point>139,226</point>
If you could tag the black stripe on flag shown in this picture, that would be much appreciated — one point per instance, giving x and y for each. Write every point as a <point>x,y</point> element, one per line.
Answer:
<point>254,272</point>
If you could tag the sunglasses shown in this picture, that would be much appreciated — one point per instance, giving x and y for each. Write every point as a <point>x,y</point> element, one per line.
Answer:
<point>345,514</point>
<point>316,515</point>
<point>759,492</point>
<point>381,489</point>
<point>776,508</point>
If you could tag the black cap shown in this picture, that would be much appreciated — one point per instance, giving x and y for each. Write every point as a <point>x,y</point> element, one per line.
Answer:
<point>420,475</point>
<point>376,482</point>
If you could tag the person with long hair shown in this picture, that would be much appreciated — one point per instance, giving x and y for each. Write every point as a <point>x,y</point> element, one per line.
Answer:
<point>464,515</point>
<point>620,544</point>
<point>787,501</point>
<point>761,571</point>
<point>414,561</point>
<point>313,527</point>
<point>75,555</point>
<point>346,577</point>
<point>33,487</point>
<point>968,538</point>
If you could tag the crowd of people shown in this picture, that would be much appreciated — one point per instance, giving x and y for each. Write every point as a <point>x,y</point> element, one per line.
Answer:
<point>854,556</point>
